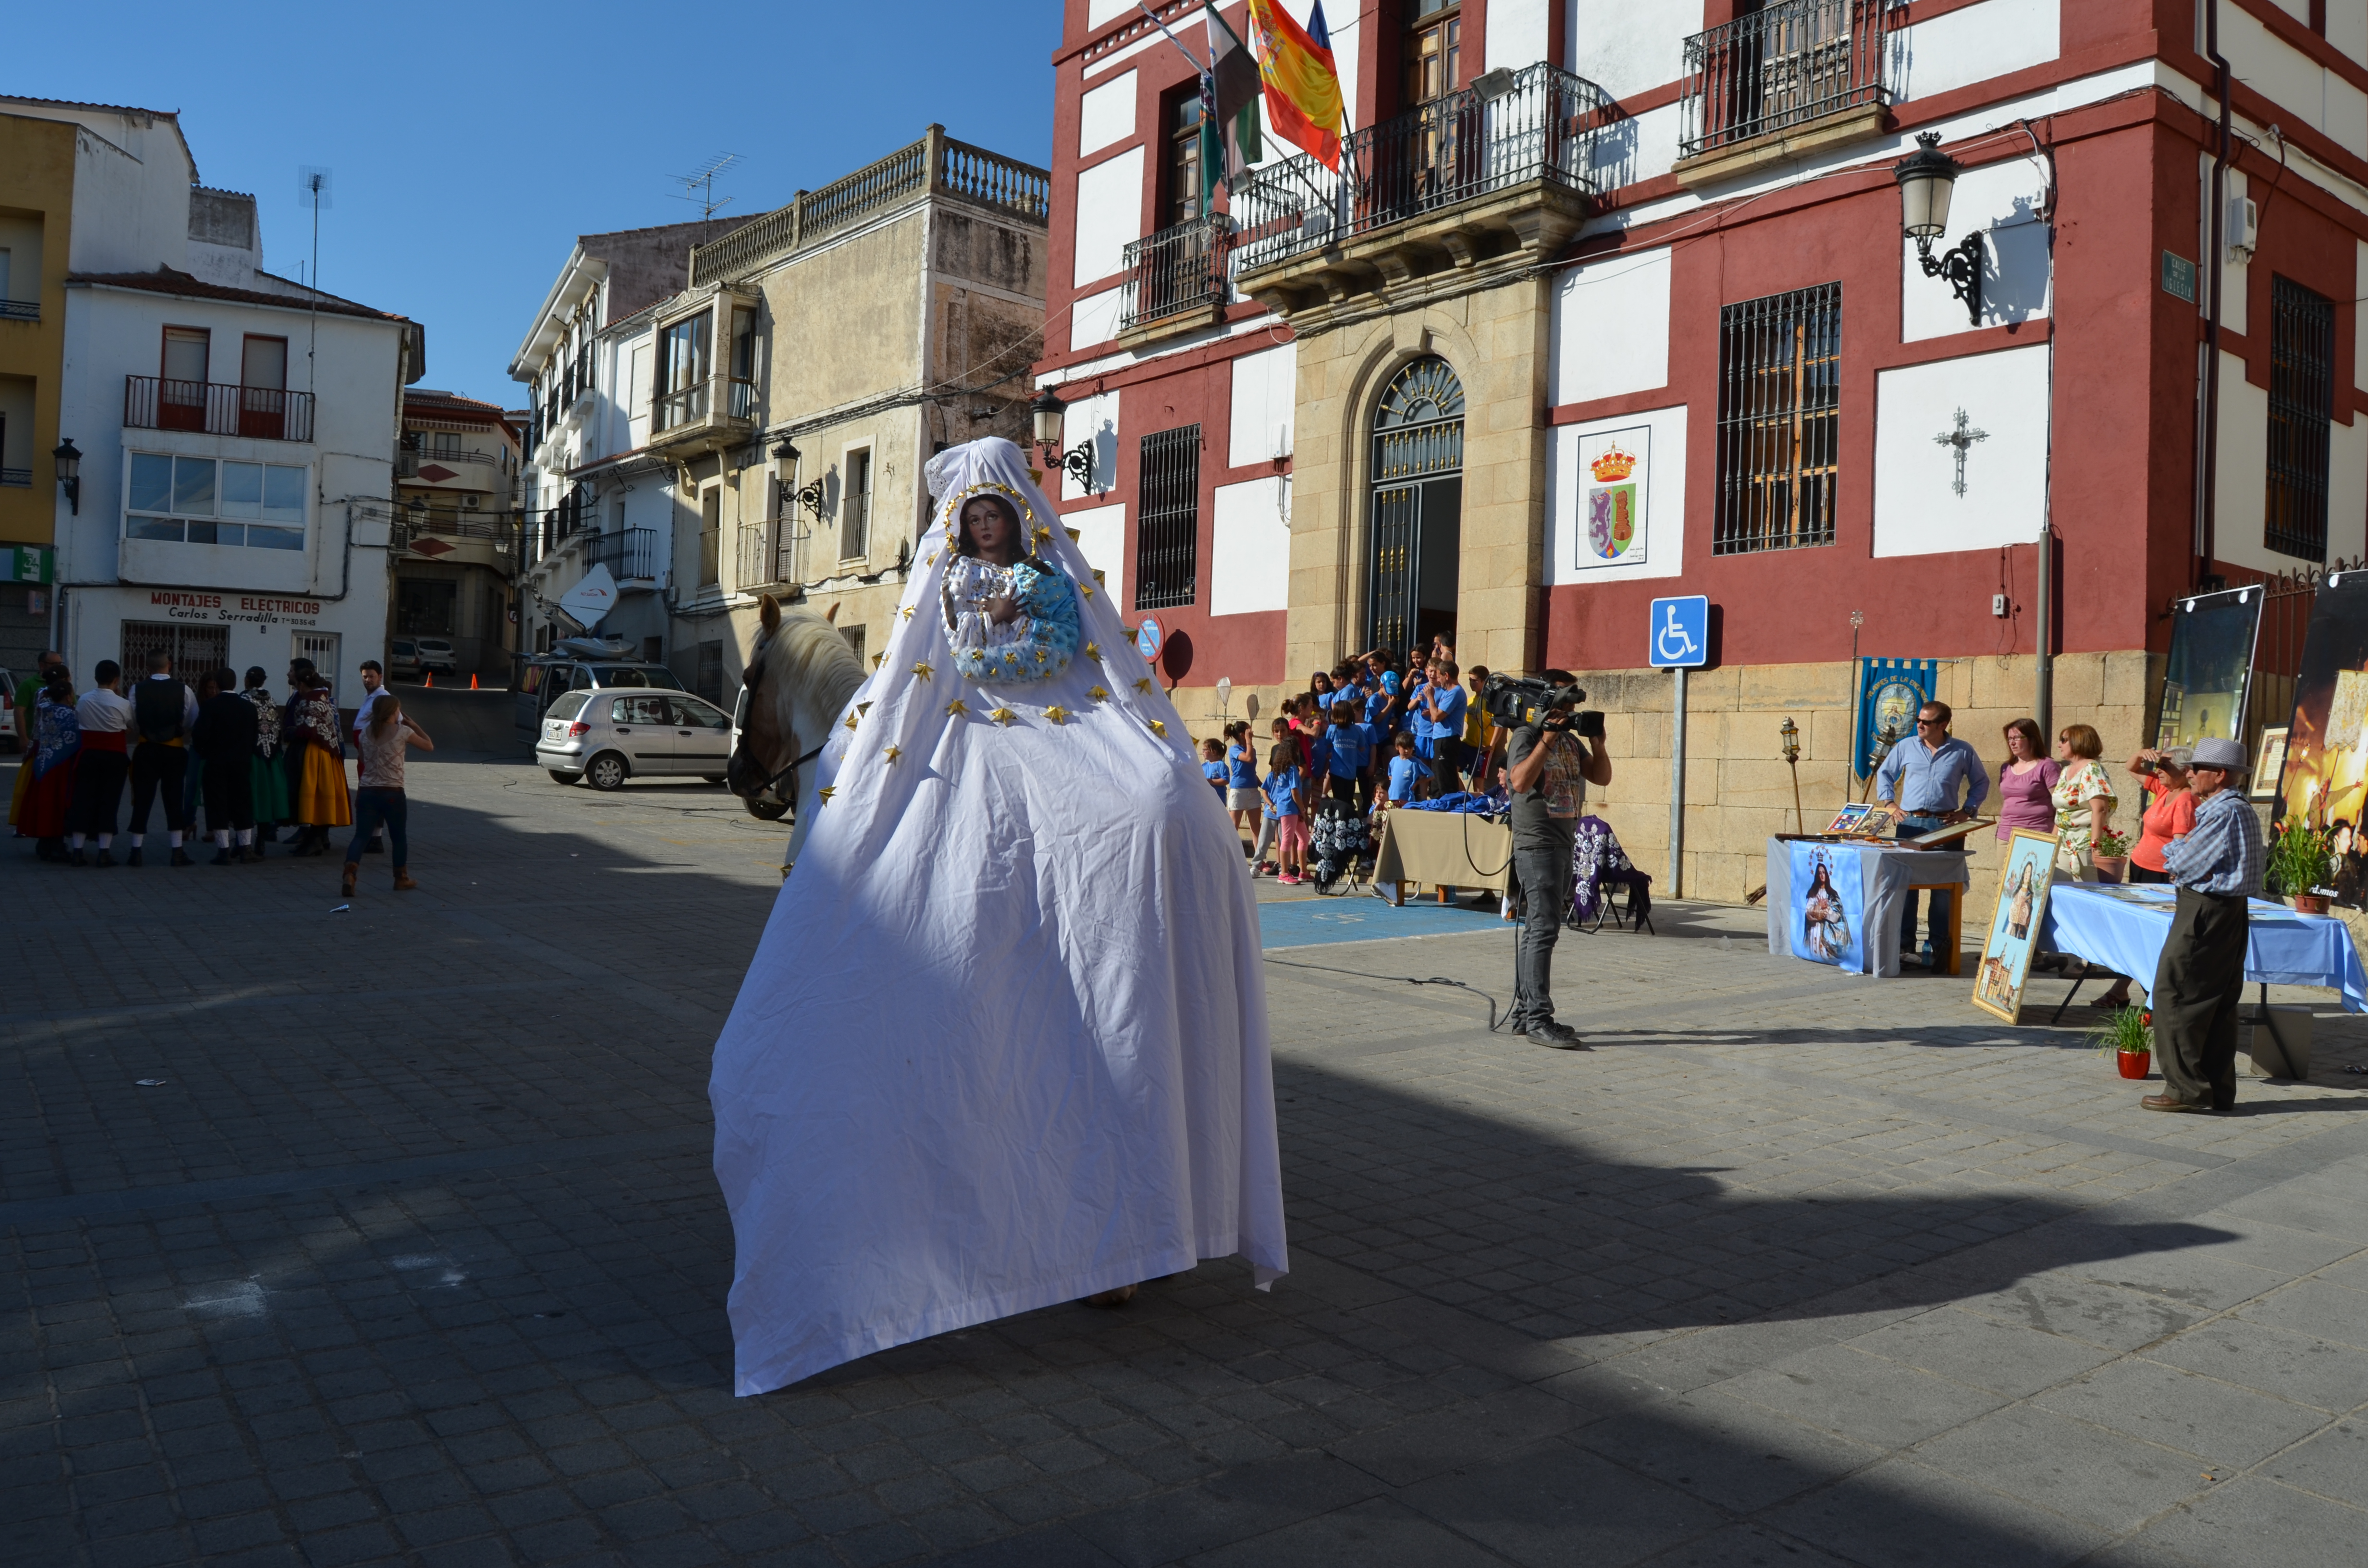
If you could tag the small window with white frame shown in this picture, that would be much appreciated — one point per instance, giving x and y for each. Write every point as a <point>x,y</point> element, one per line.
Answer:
<point>208,501</point>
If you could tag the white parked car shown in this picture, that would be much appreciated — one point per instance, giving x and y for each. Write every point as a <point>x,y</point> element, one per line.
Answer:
<point>603,738</point>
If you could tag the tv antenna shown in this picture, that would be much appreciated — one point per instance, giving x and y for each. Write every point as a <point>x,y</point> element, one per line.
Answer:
<point>313,188</point>
<point>699,185</point>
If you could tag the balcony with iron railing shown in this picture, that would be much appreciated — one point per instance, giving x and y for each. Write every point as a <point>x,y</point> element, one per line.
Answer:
<point>16,478</point>
<point>629,554</point>
<point>20,310</point>
<point>1175,277</point>
<point>713,412</point>
<point>153,402</point>
<point>1486,180</point>
<point>934,165</point>
<point>1765,87</point>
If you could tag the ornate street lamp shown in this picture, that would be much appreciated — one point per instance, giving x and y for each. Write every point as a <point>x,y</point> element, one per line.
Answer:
<point>69,462</point>
<point>1927,178</point>
<point>808,495</point>
<point>1078,463</point>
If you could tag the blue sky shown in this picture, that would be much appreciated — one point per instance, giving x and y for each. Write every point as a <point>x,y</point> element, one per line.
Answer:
<point>470,144</point>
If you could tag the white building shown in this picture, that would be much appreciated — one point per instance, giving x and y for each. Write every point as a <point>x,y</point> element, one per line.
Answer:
<point>237,430</point>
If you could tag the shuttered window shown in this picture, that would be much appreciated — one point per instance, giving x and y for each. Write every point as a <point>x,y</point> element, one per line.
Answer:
<point>1779,420</point>
<point>2302,380</point>
<point>1168,519</point>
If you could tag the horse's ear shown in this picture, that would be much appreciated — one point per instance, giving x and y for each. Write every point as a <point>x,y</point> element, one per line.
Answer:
<point>769,612</point>
<point>831,614</point>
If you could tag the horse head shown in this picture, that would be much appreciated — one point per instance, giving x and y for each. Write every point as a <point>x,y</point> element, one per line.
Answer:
<point>799,679</point>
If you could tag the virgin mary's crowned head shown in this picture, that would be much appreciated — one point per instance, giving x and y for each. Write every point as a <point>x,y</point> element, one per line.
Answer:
<point>990,527</point>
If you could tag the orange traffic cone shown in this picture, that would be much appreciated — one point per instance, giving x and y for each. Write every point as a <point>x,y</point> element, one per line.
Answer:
<point>428,681</point>
<point>472,683</point>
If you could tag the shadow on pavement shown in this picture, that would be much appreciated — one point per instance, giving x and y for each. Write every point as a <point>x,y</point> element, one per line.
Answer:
<point>1421,1387</point>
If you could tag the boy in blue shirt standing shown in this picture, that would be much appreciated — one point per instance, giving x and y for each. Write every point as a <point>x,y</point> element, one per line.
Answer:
<point>1352,752</point>
<point>1403,771</point>
<point>1439,725</point>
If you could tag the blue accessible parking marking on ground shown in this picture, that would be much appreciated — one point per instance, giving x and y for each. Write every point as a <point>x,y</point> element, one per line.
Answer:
<point>1361,918</point>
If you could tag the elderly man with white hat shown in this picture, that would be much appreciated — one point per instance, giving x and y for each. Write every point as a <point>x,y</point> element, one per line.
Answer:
<point>2218,866</point>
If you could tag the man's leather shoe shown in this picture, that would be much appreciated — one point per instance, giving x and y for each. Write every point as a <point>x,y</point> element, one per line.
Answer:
<point>74,858</point>
<point>1560,1035</point>
<point>2166,1102</point>
<point>181,857</point>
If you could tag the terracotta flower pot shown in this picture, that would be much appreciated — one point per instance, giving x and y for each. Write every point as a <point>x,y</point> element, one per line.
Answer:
<point>2310,904</point>
<point>2133,1063</point>
<point>2111,868</point>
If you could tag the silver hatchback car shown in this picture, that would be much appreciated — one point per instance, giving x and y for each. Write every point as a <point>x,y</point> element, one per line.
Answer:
<point>606,737</point>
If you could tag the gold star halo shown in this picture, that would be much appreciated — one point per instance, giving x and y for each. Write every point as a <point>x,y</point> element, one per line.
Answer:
<point>1002,715</point>
<point>1057,714</point>
<point>894,752</point>
<point>956,708</point>
<point>1099,695</point>
<point>923,670</point>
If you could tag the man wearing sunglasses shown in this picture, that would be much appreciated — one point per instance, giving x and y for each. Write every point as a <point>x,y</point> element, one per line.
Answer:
<point>1922,779</point>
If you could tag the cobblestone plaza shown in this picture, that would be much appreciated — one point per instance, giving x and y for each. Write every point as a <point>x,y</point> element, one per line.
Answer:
<point>410,1254</point>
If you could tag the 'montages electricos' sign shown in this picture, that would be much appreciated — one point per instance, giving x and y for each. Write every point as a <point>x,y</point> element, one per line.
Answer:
<point>260,610</point>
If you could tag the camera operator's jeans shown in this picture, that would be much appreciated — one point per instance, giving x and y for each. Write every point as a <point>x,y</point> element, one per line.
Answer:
<point>1937,930</point>
<point>1543,872</point>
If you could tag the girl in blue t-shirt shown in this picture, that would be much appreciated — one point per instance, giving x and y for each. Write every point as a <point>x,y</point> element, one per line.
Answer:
<point>1242,797</point>
<point>1352,754</point>
<point>1287,802</point>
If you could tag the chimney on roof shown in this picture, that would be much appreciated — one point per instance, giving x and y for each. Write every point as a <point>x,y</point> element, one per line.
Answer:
<point>225,240</point>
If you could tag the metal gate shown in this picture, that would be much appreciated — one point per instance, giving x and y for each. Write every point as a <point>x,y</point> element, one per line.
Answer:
<point>320,647</point>
<point>194,650</point>
<point>1416,542</point>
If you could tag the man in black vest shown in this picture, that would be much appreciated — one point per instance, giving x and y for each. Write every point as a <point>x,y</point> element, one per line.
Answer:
<point>163,713</point>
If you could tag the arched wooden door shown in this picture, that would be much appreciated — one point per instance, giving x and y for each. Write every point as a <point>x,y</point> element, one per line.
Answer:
<point>1417,509</point>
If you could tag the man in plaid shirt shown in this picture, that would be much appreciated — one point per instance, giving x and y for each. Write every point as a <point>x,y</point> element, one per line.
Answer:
<point>2216,865</point>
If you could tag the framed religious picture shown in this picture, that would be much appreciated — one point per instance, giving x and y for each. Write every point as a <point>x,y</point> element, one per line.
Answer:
<point>2263,785</point>
<point>1850,820</point>
<point>2014,928</point>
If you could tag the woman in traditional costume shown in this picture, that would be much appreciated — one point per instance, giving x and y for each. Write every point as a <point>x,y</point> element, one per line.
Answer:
<point>57,744</point>
<point>1003,1044</point>
<point>270,781</point>
<point>318,798</point>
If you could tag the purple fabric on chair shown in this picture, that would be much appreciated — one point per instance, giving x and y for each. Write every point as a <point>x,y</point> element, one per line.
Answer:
<point>1597,864</point>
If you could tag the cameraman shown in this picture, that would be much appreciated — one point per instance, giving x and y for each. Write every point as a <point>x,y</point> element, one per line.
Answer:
<point>1548,771</point>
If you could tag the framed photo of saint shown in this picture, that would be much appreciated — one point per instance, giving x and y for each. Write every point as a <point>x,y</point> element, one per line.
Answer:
<point>2015,924</point>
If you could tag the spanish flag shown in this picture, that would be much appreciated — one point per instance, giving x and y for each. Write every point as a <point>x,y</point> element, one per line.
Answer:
<point>1303,85</point>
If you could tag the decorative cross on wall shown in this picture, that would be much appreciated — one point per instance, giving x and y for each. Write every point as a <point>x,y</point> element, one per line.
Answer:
<point>1961,437</point>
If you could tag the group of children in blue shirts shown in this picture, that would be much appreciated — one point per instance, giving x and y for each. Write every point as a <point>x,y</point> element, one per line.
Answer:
<point>1356,736</point>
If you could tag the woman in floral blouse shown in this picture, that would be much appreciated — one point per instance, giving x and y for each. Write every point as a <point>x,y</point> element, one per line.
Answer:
<point>2084,801</point>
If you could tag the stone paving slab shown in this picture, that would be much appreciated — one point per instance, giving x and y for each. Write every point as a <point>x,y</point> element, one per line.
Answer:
<point>414,1257</point>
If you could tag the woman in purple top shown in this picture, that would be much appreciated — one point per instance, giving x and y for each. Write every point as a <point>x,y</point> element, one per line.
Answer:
<point>2025,779</point>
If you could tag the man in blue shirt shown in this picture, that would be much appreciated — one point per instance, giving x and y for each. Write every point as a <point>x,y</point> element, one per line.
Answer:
<point>1921,779</point>
<point>2200,979</point>
<point>1439,725</point>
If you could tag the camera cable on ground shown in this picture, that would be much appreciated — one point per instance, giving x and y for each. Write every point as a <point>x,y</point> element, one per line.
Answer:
<point>1494,1026</point>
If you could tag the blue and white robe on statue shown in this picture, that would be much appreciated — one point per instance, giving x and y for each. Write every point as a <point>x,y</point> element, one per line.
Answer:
<point>1003,1043</point>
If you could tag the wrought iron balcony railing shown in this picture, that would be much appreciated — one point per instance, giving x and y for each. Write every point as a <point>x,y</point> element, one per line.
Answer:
<point>151,402</point>
<point>1178,269</point>
<point>1506,128</point>
<point>16,478</point>
<point>1795,62</point>
<point>627,553</point>
<point>735,397</point>
<point>20,310</point>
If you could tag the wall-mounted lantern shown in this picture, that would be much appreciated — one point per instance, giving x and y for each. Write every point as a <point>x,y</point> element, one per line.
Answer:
<point>68,461</point>
<point>1927,178</point>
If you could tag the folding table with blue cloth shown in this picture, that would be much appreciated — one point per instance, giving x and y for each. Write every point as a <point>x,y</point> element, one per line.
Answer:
<point>2120,930</point>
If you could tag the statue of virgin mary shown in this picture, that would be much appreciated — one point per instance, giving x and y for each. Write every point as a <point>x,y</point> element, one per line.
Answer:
<point>1003,1043</point>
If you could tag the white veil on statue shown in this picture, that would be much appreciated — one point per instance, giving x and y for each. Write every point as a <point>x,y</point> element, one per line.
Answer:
<point>1003,1043</point>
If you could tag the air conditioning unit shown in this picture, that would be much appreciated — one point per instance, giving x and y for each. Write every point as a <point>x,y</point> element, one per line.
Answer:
<point>469,503</point>
<point>2243,230</point>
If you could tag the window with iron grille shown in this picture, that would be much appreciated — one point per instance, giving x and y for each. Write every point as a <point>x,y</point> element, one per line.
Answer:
<point>1168,519</point>
<point>2302,380</point>
<point>1779,420</point>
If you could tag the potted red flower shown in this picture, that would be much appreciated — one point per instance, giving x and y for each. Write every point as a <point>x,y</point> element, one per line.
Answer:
<point>2129,1035</point>
<point>2110,853</point>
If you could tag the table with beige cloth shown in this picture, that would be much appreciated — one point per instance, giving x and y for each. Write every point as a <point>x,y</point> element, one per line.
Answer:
<point>1442,849</point>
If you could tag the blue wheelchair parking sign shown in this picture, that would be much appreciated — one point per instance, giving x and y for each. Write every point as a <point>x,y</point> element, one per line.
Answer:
<point>1678,634</point>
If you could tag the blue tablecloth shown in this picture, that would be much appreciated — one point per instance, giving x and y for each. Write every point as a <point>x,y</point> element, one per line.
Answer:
<point>2124,928</point>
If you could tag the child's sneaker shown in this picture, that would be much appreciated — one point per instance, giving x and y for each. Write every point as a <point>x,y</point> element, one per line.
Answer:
<point>1289,879</point>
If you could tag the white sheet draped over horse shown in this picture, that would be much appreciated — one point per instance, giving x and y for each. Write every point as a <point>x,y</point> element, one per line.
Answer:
<point>1003,1043</point>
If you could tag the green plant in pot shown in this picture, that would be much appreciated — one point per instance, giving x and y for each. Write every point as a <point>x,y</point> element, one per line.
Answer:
<point>2129,1035</point>
<point>2300,859</point>
<point>2109,852</point>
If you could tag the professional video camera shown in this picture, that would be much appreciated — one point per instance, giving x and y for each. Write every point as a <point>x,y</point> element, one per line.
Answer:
<point>1514,702</point>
